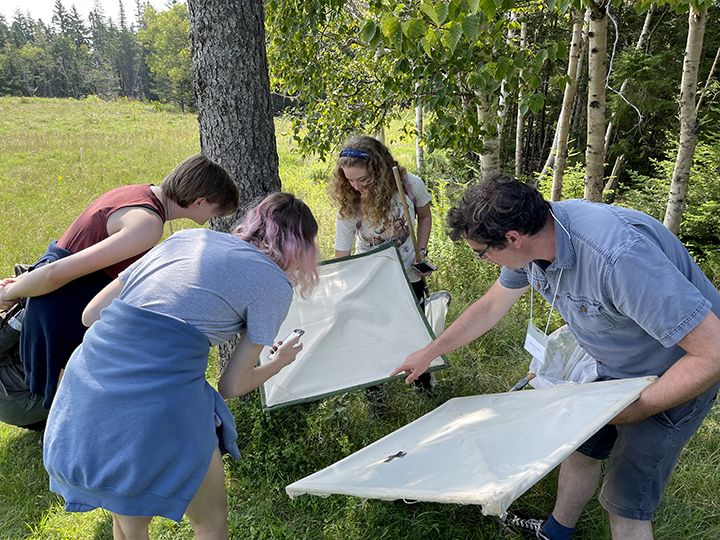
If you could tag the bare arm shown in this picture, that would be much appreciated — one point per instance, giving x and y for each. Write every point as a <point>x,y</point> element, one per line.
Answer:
<point>689,377</point>
<point>339,254</point>
<point>480,317</point>
<point>103,299</point>
<point>241,376</point>
<point>424,225</point>
<point>132,231</point>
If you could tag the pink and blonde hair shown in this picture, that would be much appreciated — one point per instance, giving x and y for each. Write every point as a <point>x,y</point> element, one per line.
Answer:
<point>284,229</point>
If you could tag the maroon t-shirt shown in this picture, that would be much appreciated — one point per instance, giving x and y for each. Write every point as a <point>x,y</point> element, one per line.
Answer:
<point>90,227</point>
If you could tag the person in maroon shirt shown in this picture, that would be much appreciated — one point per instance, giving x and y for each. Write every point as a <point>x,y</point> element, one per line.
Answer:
<point>113,232</point>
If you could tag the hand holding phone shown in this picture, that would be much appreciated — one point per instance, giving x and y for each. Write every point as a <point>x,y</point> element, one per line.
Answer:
<point>297,332</point>
<point>424,268</point>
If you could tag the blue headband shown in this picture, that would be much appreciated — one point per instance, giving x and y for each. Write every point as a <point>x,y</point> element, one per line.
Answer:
<point>351,152</point>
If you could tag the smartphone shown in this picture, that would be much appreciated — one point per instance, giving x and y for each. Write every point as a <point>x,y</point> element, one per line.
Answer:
<point>297,332</point>
<point>424,267</point>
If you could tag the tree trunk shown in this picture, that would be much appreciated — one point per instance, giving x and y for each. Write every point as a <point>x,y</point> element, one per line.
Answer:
<point>564,120</point>
<point>689,127</point>
<point>597,60</point>
<point>611,186</point>
<point>574,106</point>
<point>419,152</point>
<point>232,88</point>
<point>490,156</point>
<point>709,80</point>
<point>520,116</point>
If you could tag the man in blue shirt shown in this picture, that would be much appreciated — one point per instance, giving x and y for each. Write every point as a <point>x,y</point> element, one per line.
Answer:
<point>634,299</point>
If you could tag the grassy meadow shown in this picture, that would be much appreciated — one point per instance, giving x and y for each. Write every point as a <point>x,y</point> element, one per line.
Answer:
<point>58,155</point>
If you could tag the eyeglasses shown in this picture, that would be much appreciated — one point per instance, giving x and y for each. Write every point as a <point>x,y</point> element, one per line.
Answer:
<point>481,256</point>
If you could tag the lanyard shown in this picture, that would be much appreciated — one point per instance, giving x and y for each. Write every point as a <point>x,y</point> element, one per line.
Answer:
<point>557,286</point>
<point>552,304</point>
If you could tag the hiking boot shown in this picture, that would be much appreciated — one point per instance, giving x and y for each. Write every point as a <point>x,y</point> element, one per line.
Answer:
<point>531,528</point>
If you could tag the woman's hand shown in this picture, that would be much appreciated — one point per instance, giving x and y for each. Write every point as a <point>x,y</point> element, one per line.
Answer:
<point>286,352</point>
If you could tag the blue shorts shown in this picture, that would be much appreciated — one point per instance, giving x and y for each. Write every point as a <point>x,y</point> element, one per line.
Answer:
<point>642,456</point>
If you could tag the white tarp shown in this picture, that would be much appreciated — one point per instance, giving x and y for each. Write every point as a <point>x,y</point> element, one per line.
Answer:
<point>486,450</point>
<point>360,323</point>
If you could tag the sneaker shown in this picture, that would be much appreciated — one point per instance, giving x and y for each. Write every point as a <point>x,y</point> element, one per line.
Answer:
<point>532,528</point>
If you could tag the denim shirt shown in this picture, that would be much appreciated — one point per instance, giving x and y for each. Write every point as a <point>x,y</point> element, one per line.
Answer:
<point>629,290</point>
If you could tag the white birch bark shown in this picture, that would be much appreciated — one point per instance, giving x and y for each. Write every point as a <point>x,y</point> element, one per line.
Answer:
<point>689,126</point>
<point>520,121</point>
<point>502,106</point>
<point>419,151</point>
<point>561,134</point>
<point>597,60</point>
<point>490,155</point>
<point>550,162</point>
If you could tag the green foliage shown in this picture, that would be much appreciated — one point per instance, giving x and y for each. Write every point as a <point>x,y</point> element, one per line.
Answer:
<point>700,228</point>
<point>573,183</point>
<point>72,57</point>
<point>166,39</point>
<point>353,68</point>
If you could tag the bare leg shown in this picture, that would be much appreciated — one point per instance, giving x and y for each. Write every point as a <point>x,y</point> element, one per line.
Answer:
<point>629,529</point>
<point>130,527</point>
<point>578,481</point>
<point>207,511</point>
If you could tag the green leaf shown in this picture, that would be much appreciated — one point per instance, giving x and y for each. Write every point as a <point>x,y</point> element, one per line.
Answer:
<point>415,28</point>
<point>473,6</point>
<point>451,36</point>
<point>429,10</point>
<point>552,52</point>
<point>471,27</point>
<point>392,30</point>
<point>442,12</point>
<point>454,10</point>
<point>561,49</point>
<point>536,103</point>
<point>368,31</point>
<point>504,64</point>
<point>535,82</point>
<point>487,7</point>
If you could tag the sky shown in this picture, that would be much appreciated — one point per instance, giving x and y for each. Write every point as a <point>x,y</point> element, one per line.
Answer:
<point>43,9</point>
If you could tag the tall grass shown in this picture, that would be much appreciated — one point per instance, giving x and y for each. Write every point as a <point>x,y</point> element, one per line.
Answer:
<point>57,155</point>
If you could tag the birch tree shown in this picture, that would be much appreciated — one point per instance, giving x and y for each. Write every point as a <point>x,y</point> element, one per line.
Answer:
<point>520,120</point>
<point>563,126</point>
<point>597,61</point>
<point>689,127</point>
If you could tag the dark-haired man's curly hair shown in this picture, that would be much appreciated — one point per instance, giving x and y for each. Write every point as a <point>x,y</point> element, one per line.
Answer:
<point>495,206</point>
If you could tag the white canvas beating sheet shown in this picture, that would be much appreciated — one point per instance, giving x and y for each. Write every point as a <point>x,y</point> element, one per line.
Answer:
<point>486,450</point>
<point>360,323</point>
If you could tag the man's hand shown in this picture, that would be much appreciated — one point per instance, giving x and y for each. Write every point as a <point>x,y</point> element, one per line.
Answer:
<point>414,365</point>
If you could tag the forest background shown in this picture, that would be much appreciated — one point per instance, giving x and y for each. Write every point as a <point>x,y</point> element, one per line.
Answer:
<point>342,66</point>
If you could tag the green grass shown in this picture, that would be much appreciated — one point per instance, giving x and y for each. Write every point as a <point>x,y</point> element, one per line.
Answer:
<point>57,155</point>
